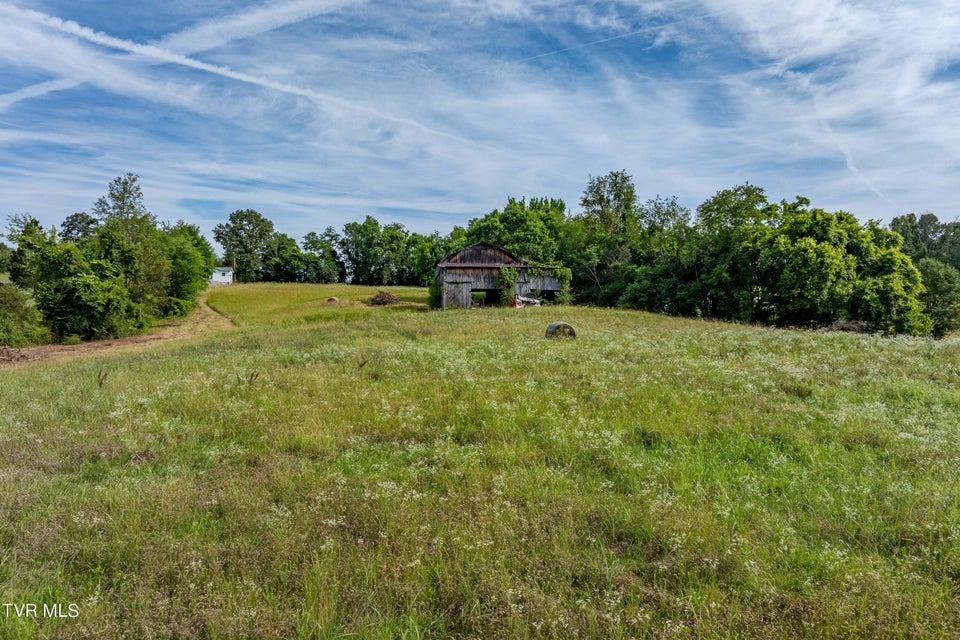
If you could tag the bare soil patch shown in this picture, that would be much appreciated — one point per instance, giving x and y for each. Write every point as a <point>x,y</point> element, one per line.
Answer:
<point>201,321</point>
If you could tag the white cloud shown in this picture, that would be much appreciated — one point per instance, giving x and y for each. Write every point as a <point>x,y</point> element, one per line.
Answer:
<point>320,112</point>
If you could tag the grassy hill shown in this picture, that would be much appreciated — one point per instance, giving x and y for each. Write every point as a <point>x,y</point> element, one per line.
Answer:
<point>331,469</point>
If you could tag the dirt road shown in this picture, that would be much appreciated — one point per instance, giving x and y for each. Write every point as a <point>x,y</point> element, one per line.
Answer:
<point>200,321</point>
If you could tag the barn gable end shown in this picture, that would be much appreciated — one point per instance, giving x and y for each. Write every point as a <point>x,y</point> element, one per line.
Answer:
<point>477,268</point>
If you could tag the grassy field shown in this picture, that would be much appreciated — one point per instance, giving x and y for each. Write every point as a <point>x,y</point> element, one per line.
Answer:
<point>329,470</point>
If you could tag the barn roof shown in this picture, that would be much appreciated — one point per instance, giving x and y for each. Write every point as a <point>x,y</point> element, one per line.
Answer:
<point>482,254</point>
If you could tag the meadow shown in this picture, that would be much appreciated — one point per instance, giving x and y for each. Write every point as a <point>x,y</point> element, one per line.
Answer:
<point>332,469</point>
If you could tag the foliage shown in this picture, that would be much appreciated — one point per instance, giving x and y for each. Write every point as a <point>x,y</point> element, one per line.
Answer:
<point>508,284</point>
<point>323,262</point>
<point>191,261</point>
<point>21,323</point>
<point>6,255</point>
<point>245,239</point>
<point>434,295</point>
<point>78,226</point>
<point>529,230</point>
<point>941,296</point>
<point>600,238</point>
<point>29,236</point>
<point>74,300</point>
<point>748,260</point>
<point>109,274</point>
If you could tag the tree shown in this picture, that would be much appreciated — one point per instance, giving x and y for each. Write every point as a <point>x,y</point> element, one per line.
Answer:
<point>596,245</point>
<point>78,226</point>
<point>529,230</point>
<point>79,297</point>
<point>732,227</point>
<point>124,205</point>
<point>21,323</point>
<point>245,239</point>
<point>611,201</point>
<point>191,260</point>
<point>29,236</point>
<point>323,261</point>
<point>283,261</point>
<point>941,298</point>
<point>6,253</point>
<point>806,274</point>
<point>122,211</point>
<point>373,254</point>
<point>424,252</point>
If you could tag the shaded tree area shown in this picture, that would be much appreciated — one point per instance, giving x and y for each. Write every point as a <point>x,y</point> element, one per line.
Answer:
<point>110,273</point>
<point>742,258</point>
<point>934,247</point>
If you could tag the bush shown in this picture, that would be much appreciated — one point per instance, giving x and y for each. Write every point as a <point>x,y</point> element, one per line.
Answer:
<point>86,306</point>
<point>941,299</point>
<point>20,322</point>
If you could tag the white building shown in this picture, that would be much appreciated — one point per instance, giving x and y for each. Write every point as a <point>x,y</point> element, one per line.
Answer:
<point>221,275</point>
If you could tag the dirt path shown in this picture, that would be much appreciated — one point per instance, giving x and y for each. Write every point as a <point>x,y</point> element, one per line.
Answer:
<point>201,321</point>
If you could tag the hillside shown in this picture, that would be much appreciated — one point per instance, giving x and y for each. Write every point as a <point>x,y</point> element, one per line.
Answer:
<point>327,468</point>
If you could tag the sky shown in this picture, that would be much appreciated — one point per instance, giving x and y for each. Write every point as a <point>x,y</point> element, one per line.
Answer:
<point>430,113</point>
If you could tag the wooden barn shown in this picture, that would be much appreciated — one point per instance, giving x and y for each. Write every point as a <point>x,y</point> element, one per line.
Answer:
<point>477,269</point>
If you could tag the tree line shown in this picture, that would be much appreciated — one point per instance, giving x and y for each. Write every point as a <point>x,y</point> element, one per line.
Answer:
<point>107,273</point>
<point>737,257</point>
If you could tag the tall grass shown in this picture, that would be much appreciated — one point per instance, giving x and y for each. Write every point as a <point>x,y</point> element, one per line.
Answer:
<point>331,470</point>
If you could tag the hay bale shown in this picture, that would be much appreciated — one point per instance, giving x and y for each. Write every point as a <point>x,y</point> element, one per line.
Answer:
<point>333,299</point>
<point>384,298</point>
<point>561,330</point>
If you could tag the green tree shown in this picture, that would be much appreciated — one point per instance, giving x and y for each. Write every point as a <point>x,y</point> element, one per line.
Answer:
<point>245,240</point>
<point>6,254</point>
<point>732,228</point>
<point>191,260</point>
<point>78,297</point>
<point>374,255</point>
<point>394,268</point>
<point>596,244</point>
<point>21,324</point>
<point>124,205</point>
<point>78,226</point>
<point>424,252</point>
<point>888,289</point>
<point>283,261</point>
<point>611,201</point>
<point>30,237</point>
<point>941,298</point>
<point>529,230</point>
<point>122,210</point>
<point>323,261</point>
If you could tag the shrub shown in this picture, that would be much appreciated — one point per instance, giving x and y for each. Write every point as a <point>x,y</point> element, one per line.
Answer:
<point>20,322</point>
<point>941,299</point>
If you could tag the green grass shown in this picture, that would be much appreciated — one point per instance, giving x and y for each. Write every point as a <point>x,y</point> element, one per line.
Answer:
<point>340,470</point>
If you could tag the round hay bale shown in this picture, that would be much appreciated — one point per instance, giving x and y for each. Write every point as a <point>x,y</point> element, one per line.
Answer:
<point>561,330</point>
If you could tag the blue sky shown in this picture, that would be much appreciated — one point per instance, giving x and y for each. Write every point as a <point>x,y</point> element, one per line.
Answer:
<point>429,113</point>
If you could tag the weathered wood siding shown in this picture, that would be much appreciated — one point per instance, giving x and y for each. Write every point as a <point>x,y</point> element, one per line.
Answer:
<point>477,268</point>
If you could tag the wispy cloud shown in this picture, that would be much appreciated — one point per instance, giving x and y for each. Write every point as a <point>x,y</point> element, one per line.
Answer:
<point>318,112</point>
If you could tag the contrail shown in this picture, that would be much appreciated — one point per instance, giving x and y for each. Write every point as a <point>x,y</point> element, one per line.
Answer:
<point>160,54</point>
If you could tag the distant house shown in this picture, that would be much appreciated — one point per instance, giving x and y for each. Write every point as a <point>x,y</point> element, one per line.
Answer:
<point>477,268</point>
<point>221,275</point>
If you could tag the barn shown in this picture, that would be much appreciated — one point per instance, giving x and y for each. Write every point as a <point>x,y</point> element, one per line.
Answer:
<point>477,268</point>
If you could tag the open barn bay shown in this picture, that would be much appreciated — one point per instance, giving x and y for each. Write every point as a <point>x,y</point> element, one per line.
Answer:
<point>329,469</point>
